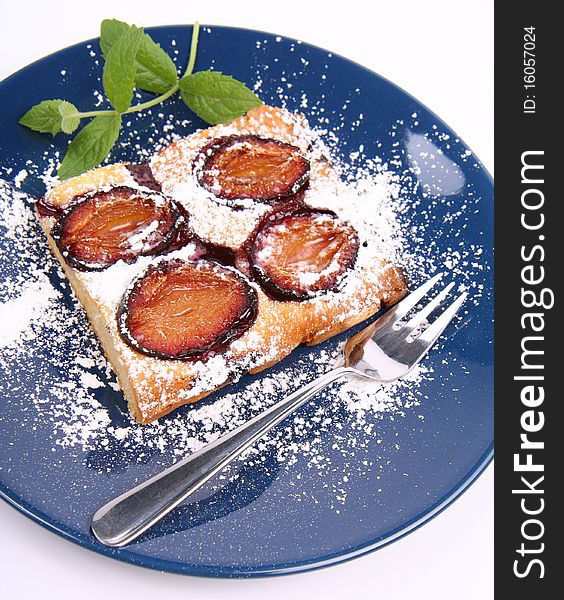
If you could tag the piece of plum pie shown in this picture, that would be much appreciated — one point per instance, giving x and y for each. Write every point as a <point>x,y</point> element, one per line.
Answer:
<point>216,258</point>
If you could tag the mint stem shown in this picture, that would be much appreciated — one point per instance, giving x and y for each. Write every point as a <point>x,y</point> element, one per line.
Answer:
<point>96,113</point>
<point>193,49</point>
<point>154,101</point>
<point>132,109</point>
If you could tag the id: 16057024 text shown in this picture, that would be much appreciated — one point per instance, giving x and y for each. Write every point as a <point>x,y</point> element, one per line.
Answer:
<point>529,70</point>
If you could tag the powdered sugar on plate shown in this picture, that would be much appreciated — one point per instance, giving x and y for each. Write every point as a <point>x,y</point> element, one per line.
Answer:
<point>32,305</point>
<point>76,394</point>
<point>80,415</point>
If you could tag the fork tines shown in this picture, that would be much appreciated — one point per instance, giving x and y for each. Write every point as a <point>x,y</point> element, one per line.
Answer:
<point>433,331</point>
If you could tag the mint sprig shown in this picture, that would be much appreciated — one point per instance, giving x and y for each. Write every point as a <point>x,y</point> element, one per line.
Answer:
<point>133,60</point>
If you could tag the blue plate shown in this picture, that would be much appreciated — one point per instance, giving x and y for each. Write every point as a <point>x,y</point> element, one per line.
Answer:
<point>270,517</point>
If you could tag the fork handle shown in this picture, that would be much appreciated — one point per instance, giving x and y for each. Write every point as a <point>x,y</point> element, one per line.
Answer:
<point>126,517</point>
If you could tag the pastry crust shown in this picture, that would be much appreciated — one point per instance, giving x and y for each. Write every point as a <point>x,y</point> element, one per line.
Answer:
<point>154,387</point>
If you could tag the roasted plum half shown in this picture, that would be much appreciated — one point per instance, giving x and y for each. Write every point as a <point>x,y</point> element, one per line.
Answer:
<point>102,227</point>
<point>297,256</point>
<point>250,167</point>
<point>186,309</point>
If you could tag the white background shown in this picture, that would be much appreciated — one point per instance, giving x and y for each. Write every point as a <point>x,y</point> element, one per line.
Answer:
<point>441,52</point>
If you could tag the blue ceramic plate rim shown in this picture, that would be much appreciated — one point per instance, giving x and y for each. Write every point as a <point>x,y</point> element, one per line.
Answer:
<point>160,564</point>
<point>266,570</point>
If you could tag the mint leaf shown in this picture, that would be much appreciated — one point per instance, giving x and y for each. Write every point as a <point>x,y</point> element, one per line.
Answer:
<point>91,145</point>
<point>69,117</point>
<point>110,31</point>
<point>217,98</point>
<point>156,72</point>
<point>119,70</point>
<point>48,117</point>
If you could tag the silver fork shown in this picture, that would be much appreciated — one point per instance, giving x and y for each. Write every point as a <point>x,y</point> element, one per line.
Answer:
<point>384,351</point>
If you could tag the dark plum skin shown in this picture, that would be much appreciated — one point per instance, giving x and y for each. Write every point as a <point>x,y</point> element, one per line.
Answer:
<point>297,255</point>
<point>250,167</point>
<point>143,175</point>
<point>101,227</point>
<point>186,310</point>
<point>185,235</point>
<point>47,210</point>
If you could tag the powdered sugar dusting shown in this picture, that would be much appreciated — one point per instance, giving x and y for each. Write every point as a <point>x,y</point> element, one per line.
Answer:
<point>76,392</point>
<point>70,401</point>
<point>31,306</point>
